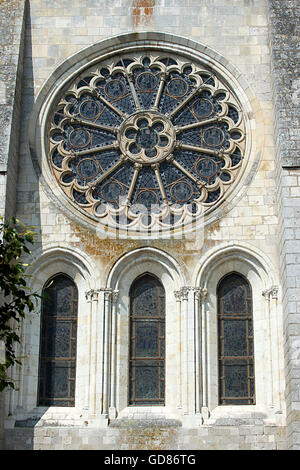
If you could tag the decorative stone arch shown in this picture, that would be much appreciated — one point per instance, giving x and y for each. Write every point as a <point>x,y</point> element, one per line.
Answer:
<point>235,250</point>
<point>145,259</point>
<point>125,271</point>
<point>258,269</point>
<point>78,63</point>
<point>46,264</point>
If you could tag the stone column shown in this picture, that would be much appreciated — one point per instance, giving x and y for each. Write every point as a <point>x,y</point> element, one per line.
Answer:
<point>177,295</point>
<point>86,403</point>
<point>193,356</point>
<point>188,350</point>
<point>99,354</point>
<point>271,296</point>
<point>14,397</point>
<point>185,348</point>
<point>17,395</point>
<point>198,350</point>
<point>191,348</point>
<point>22,368</point>
<point>204,358</point>
<point>98,362</point>
<point>113,359</point>
<point>92,297</point>
<point>106,352</point>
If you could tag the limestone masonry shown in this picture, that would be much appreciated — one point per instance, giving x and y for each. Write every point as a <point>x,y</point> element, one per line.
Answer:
<point>222,133</point>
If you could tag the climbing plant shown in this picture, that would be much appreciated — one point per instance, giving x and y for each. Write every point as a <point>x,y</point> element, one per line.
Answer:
<point>16,299</point>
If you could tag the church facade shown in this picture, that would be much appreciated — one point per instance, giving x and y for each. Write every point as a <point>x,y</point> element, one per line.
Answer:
<point>154,145</point>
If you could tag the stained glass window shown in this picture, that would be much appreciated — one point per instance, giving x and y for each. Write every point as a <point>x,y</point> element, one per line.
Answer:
<point>145,130</point>
<point>147,342</point>
<point>235,341</point>
<point>58,343</point>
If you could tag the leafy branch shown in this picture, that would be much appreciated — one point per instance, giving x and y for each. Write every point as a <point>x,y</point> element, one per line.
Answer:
<point>16,298</point>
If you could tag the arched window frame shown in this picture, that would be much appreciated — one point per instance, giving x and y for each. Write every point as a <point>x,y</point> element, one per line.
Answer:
<point>125,271</point>
<point>257,267</point>
<point>160,400</point>
<point>47,263</point>
<point>248,359</point>
<point>69,400</point>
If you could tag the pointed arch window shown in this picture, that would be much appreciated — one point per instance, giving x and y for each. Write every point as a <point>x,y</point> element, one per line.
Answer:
<point>147,342</point>
<point>235,341</point>
<point>58,342</point>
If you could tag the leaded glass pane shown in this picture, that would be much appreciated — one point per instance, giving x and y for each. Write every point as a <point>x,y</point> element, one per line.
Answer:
<point>58,343</point>
<point>236,380</point>
<point>57,374</point>
<point>235,341</point>
<point>147,342</point>
<point>146,381</point>
<point>149,299</point>
<point>58,335</point>
<point>235,337</point>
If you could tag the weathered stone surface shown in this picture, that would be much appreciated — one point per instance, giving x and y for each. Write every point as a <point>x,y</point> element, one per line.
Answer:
<point>11,66</point>
<point>284,45</point>
<point>147,438</point>
<point>284,38</point>
<point>256,40</point>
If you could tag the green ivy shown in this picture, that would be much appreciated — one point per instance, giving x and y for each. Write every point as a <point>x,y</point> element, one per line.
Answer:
<point>16,298</point>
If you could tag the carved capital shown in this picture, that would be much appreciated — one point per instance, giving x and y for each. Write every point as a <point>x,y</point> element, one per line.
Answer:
<point>107,294</point>
<point>177,294</point>
<point>271,293</point>
<point>115,296</point>
<point>198,293</point>
<point>183,294</point>
<point>95,295</point>
<point>185,290</point>
<point>274,293</point>
<point>204,293</point>
<point>88,295</point>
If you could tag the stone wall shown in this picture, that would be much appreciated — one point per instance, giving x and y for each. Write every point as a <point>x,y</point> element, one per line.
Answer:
<point>11,61</point>
<point>284,43</point>
<point>234,436</point>
<point>11,66</point>
<point>56,32</point>
<point>237,30</point>
<point>284,40</point>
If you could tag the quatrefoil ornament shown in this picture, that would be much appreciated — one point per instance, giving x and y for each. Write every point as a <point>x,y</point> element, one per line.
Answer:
<point>147,137</point>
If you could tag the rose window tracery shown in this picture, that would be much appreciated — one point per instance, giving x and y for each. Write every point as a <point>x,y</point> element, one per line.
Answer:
<point>146,138</point>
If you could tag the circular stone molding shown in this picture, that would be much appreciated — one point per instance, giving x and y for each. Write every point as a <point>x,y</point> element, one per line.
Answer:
<point>145,137</point>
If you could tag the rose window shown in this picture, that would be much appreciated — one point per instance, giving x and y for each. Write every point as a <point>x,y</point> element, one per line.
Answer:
<point>147,139</point>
